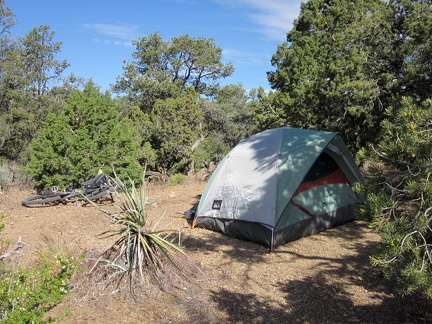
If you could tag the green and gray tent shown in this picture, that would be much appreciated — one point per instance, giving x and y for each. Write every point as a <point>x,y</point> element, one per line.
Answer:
<point>280,185</point>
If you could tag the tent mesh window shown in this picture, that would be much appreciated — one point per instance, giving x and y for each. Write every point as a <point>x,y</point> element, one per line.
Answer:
<point>322,167</point>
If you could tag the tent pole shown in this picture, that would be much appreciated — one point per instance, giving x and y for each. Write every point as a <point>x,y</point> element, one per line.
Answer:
<point>272,242</point>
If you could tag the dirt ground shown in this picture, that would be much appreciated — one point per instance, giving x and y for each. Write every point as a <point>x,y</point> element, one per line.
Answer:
<point>325,278</point>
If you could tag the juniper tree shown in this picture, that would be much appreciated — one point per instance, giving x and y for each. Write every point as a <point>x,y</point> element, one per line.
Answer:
<point>87,135</point>
<point>332,73</point>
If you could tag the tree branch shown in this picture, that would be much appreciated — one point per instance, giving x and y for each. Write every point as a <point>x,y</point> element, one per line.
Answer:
<point>17,247</point>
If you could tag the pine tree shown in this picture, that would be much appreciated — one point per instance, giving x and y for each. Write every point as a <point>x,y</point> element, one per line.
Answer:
<point>399,195</point>
<point>399,188</point>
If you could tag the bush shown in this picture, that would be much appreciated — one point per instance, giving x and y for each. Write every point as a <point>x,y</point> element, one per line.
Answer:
<point>178,178</point>
<point>27,294</point>
<point>6,173</point>
<point>87,135</point>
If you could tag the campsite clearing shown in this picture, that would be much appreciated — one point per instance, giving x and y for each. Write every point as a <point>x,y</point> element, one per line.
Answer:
<point>325,278</point>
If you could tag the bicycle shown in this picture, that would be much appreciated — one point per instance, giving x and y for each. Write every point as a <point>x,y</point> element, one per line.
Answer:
<point>92,190</point>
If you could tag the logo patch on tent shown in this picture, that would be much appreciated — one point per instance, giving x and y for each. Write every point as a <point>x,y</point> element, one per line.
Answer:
<point>217,204</point>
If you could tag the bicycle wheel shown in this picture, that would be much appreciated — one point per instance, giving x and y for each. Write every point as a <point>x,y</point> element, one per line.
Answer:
<point>97,194</point>
<point>40,200</point>
<point>72,196</point>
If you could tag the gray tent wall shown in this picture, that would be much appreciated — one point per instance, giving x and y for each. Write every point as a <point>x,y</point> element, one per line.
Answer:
<point>250,194</point>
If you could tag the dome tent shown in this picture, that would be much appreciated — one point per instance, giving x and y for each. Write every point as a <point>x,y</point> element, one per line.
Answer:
<point>280,185</point>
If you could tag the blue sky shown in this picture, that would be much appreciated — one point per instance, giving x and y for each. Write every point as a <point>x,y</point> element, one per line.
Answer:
<point>97,35</point>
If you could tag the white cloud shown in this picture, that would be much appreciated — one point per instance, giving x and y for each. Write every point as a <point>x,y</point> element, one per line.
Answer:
<point>115,33</point>
<point>244,58</point>
<point>275,17</point>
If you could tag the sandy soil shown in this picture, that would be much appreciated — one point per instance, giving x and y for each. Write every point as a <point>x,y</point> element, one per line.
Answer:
<point>325,278</point>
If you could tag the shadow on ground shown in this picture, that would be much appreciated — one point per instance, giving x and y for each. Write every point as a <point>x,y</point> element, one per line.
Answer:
<point>341,289</point>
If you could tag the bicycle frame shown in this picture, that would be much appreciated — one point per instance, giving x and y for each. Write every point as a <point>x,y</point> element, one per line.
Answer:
<point>92,190</point>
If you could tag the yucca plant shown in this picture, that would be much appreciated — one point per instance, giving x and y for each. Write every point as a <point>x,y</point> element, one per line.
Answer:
<point>138,249</point>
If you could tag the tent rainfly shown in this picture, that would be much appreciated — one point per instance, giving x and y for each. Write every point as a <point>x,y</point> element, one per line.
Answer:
<point>280,185</point>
